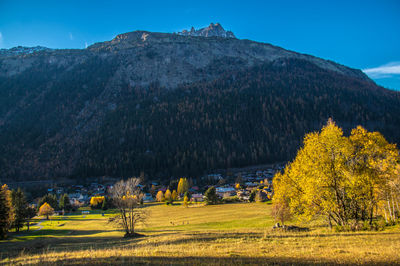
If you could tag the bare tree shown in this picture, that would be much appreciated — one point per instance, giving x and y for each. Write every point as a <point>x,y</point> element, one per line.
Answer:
<point>126,197</point>
<point>281,212</point>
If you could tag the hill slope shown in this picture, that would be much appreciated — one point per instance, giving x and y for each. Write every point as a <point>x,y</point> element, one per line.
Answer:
<point>170,104</point>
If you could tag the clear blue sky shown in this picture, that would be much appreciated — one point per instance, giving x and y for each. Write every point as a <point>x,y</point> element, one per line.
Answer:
<point>359,34</point>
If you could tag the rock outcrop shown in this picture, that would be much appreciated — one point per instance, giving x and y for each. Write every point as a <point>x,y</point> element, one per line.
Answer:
<point>213,30</point>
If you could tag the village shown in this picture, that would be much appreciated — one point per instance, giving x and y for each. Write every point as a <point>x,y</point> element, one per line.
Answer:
<point>230,187</point>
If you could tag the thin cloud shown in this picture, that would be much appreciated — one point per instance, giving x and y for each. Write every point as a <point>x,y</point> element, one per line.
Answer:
<point>1,39</point>
<point>71,37</point>
<point>384,71</point>
<point>86,45</point>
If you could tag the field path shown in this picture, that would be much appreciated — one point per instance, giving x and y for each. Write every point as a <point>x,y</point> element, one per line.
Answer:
<point>40,225</point>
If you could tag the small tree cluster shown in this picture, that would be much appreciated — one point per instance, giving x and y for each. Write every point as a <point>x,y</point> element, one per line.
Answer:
<point>20,208</point>
<point>51,199</point>
<point>64,203</point>
<point>170,197</point>
<point>14,210</point>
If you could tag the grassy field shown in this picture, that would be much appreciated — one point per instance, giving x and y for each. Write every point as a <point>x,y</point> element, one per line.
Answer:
<point>222,234</point>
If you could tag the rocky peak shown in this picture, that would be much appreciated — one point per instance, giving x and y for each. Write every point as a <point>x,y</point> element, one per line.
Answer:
<point>20,50</point>
<point>213,30</point>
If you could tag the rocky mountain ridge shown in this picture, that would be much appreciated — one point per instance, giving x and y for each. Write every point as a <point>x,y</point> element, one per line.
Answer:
<point>213,30</point>
<point>23,50</point>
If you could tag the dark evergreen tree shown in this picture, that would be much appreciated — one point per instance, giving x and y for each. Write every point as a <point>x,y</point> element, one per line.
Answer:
<point>210,196</point>
<point>20,207</point>
<point>30,213</point>
<point>64,203</point>
<point>253,195</point>
<point>5,211</point>
<point>104,206</point>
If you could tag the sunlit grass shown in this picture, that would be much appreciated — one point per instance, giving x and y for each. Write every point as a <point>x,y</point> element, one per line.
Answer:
<point>220,234</point>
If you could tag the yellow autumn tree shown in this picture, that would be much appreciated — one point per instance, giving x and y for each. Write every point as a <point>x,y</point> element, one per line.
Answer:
<point>46,210</point>
<point>183,186</point>
<point>168,197</point>
<point>160,196</point>
<point>186,201</point>
<point>96,202</point>
<point>342,178</point>
<point>374,175</point>
<point>174,195</point>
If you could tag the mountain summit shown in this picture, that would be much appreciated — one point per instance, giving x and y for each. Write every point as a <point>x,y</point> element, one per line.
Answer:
<point>213,30</point>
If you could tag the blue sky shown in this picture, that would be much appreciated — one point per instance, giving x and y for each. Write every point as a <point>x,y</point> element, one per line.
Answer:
<point>359,34</point>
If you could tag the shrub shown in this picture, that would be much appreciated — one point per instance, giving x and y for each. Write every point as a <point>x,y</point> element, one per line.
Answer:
<point>252,196</point>
<point>232,199</point>
<point>211,197</point>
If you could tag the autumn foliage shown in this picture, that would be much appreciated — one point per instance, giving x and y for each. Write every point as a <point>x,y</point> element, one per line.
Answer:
<point>160,196</point>
<point>183,186</point>
<point>345,179</point>
<point>96,202</point>
<point>46,210</point>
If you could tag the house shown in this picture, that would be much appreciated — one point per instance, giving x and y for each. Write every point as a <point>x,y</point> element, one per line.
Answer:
<point>197,197</point>
<point>148,198</point>
<point>193,189</point>
<point>252,184</point>
<point>225,191</point>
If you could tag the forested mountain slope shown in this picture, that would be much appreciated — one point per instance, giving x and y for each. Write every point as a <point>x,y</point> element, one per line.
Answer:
<point>168,104</point>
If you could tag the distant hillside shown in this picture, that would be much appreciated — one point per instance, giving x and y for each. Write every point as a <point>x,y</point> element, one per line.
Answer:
<point>172,104</point>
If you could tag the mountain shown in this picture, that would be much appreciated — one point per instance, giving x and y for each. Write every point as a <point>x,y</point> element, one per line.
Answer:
<point>173,104</point>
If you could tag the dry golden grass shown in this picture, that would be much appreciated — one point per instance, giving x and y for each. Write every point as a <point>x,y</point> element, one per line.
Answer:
<point>223,234</point>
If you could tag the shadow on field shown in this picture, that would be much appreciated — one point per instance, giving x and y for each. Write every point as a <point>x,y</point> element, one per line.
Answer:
<point>231,259</point>
<point>40,245</point>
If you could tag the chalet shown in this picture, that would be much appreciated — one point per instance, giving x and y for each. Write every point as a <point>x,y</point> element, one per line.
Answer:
<point>197,197</point>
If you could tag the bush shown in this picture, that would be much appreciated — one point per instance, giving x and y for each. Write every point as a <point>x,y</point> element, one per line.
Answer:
<point>232,199</point>
<point>211,197</point>
<point>252,196</point>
